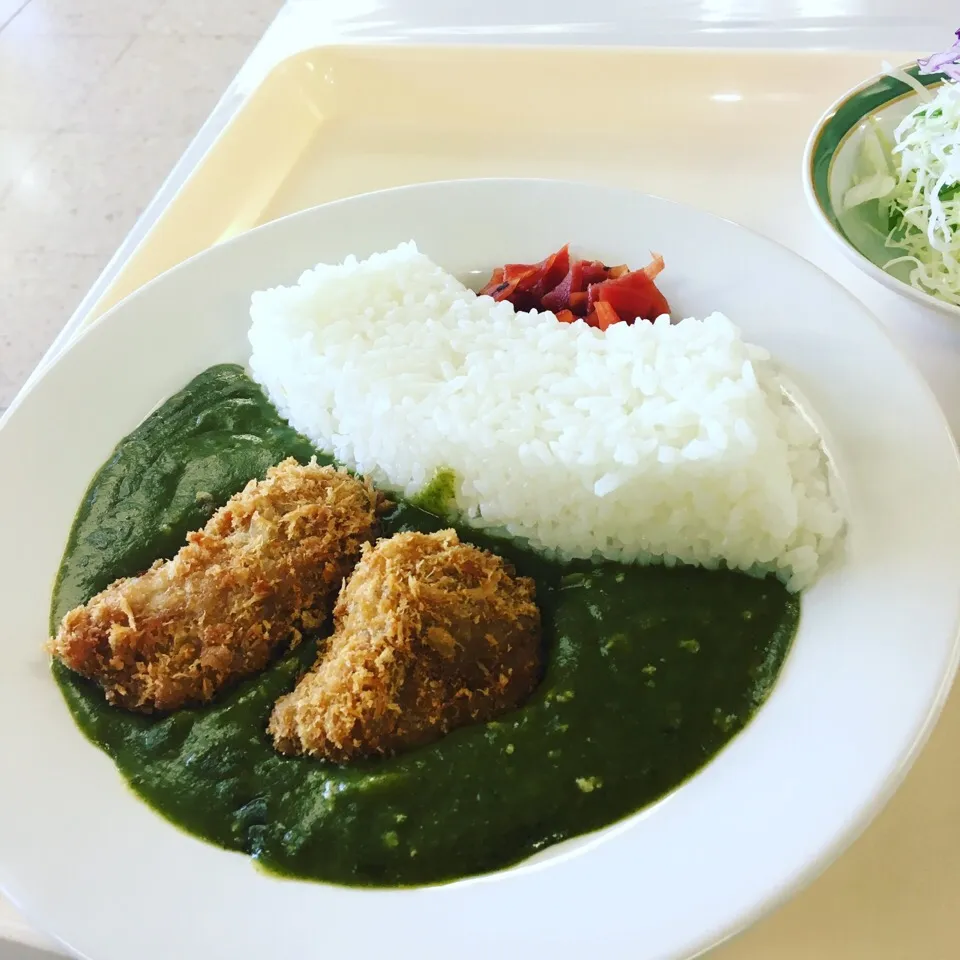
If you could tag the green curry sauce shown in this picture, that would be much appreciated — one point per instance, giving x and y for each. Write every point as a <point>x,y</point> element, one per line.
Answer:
<point>650,671</point>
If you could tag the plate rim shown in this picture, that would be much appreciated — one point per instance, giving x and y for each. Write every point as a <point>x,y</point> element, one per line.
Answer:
<point>825,856</point>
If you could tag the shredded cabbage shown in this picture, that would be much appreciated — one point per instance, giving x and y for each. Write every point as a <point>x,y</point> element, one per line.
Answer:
<point>916,182</point>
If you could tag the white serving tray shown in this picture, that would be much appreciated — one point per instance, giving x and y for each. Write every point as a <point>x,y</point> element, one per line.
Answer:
<point>723,130</point>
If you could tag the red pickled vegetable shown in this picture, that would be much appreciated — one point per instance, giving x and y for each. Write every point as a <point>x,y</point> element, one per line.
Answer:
<point>490,287</point>
<point>559,297</point>
<point>654,267</point>
<point>515,285</point>
<point>585,290</point>
<point>520,272</point>
<point>605,315</point>
<point>634,296</point>
<point>552,271</point>
<point>594,272</point>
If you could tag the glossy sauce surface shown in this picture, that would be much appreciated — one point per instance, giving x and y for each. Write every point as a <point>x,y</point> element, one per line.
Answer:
<point>650,672</point>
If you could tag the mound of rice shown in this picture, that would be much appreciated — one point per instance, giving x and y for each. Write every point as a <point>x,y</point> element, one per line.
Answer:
<point>660,441</point>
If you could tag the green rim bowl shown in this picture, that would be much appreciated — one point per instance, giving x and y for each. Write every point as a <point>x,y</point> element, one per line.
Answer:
<point>829,162</point>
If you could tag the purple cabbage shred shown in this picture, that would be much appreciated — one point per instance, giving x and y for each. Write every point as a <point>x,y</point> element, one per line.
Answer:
<point>945,62</point>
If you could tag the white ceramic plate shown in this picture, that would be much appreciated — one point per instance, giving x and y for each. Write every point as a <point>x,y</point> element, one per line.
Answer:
<point>861,689</point>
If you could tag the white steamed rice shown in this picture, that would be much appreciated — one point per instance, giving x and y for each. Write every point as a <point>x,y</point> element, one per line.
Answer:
<point>647,442</point>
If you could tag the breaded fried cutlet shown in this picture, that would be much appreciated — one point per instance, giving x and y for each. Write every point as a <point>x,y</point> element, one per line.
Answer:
<point>430,634</point>
<point>267,564</point>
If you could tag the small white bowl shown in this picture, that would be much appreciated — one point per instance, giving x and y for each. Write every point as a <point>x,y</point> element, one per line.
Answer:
<point>829,162</point>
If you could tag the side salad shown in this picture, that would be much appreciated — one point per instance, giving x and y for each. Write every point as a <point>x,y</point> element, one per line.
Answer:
<point>916,179</point>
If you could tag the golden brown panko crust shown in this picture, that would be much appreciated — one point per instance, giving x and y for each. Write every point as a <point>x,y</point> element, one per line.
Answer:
<point>431,634</point>
<point>267,564</point>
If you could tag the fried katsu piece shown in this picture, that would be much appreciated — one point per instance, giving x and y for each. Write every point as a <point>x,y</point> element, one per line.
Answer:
<point>267,563</point>
<point>431,634</point>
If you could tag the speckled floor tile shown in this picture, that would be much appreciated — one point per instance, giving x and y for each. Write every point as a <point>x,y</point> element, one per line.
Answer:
<point>18,147</point>
<point>85,189</point>
<point>44,77</point>
<point>214,17</point>
<point>9,9</point>
<point>164,83</point>
<point>98,99</point>
<point>86,17</point>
